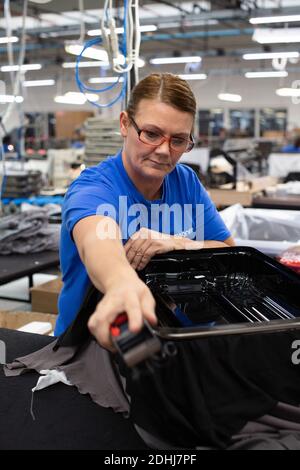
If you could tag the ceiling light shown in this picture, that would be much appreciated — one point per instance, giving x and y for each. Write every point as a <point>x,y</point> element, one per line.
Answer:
<point>90,52</point>
<point>271,55</point>
<point>75,98</point>
<point>94,63</point>
<point>288,92</point>
<point>267,74</point>
<point>104,63</point>
<point>274,19</point>
<point>24,67</point>
<point>175,60</point>
<point>106,80</point>
<point>32,83</point>
<point>193,76</point>
<point>5,39</point>
<point>146,28</point>
<point>11,99</point>
<point>276,35</point>
<point>229,97</point>
<point>64,99</point>
<point>141,63</point>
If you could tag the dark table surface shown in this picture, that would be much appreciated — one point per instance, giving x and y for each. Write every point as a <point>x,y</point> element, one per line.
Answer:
<point>64,419</point>
<point>15,266</point>
<point>289,202</point>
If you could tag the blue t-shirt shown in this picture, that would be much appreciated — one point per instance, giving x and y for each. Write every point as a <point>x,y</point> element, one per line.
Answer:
<point>106,189</point>
<point>290,148</point>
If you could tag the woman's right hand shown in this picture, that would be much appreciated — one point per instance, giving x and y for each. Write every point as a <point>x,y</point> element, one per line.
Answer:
<point>125,293</point>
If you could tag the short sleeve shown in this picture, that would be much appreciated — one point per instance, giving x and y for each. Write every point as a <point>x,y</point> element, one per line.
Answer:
<point>86,198</point>
<point>214,227</point>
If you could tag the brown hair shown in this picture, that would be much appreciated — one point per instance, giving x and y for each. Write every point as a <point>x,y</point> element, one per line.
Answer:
<point>168,88</point>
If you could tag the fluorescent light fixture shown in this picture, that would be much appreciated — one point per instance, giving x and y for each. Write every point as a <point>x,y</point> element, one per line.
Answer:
<point>72,65</point>
<point>24,67</point>
<point>75,98</point>
<point>91,52</point>
<point>193,76</point>
<point>175,60</point>
<point>11,99</point>
<point>276,35</point>
<point>31,83</point>
<point>6,40</point>
<point>230,97</point>
<point>141,63</point>
<point>272,55</point>
<point>267,74</point>
<point>288,92</point>
<point>274,19</point>
<point>146,28</point>
<point>93,63</point>
<point>105,80</point>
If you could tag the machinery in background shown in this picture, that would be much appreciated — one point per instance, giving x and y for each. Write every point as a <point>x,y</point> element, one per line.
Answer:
<point>102,138</point>
<point>21,184</point>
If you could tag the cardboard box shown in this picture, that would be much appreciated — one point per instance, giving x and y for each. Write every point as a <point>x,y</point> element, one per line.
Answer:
<point>16,320</point>
<point>45,296</point>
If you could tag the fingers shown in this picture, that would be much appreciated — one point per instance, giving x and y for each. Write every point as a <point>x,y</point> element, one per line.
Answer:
<point>134,313</point>
<point>134,250</point>
<point>99,324</point>
<point>136,306</point>
<point>148,308</point>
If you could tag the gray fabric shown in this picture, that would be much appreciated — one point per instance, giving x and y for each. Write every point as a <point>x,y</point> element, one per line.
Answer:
<point>277,431</point>
<point>281,440</point>
<point>90,369</point>
<point>283,417</point>
<point>28,232</point>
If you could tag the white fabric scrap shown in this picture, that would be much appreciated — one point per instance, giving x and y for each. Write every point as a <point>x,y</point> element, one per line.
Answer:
<point>48,378</point>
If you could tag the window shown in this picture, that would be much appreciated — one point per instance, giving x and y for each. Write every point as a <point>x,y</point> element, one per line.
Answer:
<point>242,122</point>
<point>210,122</point>
<point>272,121</point>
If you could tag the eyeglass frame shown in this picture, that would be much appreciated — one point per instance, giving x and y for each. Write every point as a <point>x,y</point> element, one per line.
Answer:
<point>165,139</point>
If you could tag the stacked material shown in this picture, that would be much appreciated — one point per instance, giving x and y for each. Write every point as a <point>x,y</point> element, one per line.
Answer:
<point>103,138</point>
<point>28,232</point>
<point>21,184</point>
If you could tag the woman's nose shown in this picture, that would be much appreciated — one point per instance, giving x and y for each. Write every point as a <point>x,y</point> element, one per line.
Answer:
<point>164,147</point>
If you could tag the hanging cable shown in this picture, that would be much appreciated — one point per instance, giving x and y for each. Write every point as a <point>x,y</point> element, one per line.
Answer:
<point>130,47</point>
<point>82,23</point>
<point>8,23</point>
<point>83,88</point>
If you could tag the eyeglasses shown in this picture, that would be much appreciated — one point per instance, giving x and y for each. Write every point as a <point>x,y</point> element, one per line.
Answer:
<point>178,144</point>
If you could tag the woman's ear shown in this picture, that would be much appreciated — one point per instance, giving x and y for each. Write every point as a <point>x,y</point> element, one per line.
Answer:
<point>124,123</point>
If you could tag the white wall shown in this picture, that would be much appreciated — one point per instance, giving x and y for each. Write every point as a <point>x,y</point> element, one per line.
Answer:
<point>256,93</point>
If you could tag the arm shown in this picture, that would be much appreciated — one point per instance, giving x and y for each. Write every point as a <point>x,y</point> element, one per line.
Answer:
<point>145,244</point>
<point>217,244</point>
<point>110,272</point>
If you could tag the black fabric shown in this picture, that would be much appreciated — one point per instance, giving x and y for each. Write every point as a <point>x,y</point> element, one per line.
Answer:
<point>212,387</point>
<point>64,418</point>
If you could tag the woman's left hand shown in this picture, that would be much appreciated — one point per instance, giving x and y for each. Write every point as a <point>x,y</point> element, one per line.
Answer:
<point>145,244</point>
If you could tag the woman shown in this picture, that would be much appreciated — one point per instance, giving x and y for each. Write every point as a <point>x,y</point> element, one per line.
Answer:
<point>98,241</point>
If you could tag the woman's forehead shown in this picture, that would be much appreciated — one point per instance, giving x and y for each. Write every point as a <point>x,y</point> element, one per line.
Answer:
<point>163,115</point>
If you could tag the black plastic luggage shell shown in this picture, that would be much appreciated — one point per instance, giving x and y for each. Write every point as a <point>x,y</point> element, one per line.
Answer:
<point>190,333</point>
